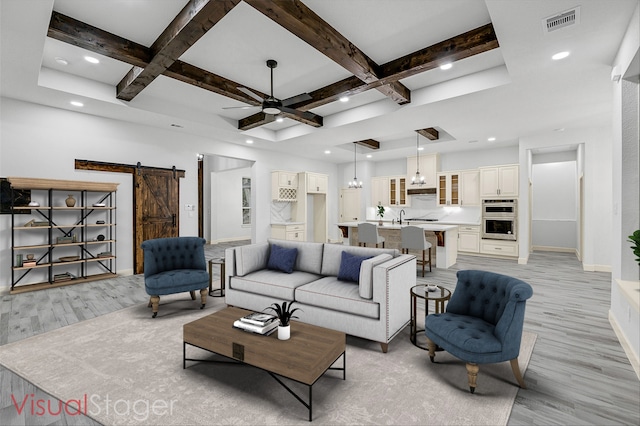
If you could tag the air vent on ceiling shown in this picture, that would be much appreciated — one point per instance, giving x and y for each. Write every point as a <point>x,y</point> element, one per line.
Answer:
<point>561,20</point>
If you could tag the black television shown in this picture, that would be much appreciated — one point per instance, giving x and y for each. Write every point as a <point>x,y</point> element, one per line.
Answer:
<point>16,197</point>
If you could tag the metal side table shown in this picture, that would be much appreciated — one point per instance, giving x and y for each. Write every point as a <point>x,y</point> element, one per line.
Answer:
<point>439,296</point>
<point>216,292</point>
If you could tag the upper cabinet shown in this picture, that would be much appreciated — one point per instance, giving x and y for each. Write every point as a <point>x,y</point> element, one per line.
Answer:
<point>284,186</point>
<point>429,167</point>
<point>499,181</point>
<point>398,191</point>
<point>470,187</point>
<point>380,191</point>
<point>460,188</point>
<point>317,183</point>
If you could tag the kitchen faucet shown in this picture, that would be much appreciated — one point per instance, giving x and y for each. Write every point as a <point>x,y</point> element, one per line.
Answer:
<point>401,212</point>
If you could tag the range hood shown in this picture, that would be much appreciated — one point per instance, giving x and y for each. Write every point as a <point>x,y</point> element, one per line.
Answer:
<point>420,191</point>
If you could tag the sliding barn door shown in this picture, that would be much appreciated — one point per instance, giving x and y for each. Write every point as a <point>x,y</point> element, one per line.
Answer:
<point>157,201</point>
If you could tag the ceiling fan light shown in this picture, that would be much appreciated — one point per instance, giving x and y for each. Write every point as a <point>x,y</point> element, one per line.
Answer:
<point>271,110</point>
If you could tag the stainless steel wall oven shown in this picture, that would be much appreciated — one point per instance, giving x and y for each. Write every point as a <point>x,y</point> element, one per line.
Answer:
<point>499,219</point>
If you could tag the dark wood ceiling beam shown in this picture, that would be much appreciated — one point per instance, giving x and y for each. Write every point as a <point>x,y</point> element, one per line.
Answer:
<point>369,143</point>
<point>429,133</point>
<point>478,40</point>
<point>255,120</point>
<point>78,33</point>
<point>193,21</point>
<point>304,23</point>
<point>88,37</point>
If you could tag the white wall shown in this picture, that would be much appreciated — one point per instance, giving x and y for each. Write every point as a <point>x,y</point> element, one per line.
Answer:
<point>43,142</point>
<point>226,196</point>
<point>554,209</point>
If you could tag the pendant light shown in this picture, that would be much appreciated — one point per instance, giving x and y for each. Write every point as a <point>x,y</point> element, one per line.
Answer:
<point>355,183</point>
<point>418,179</point>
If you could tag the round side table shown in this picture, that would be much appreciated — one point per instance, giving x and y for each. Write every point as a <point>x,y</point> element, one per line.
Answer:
<point>217,292</point>
<point>439,296</point>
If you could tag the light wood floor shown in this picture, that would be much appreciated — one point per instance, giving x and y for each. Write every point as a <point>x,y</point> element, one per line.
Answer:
<point>578,373</point>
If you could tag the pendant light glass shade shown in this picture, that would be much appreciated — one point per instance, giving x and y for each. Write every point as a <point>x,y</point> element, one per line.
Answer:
<point>418,179</point>
<point>355,183</point>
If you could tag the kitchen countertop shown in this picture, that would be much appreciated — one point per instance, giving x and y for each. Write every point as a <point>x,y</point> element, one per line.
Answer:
<point>428,226</point>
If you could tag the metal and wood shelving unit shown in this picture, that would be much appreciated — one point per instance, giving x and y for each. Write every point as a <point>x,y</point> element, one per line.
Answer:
<point>69,244</point>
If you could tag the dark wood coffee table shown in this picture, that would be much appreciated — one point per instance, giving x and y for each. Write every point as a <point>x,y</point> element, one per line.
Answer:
<point>304,358</point>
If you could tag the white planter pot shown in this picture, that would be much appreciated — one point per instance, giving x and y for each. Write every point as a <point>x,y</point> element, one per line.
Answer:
<point>284,332</point>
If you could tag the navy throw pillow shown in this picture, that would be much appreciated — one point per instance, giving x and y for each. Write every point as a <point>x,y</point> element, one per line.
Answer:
<point>282,259</point>
<point>350,267</point>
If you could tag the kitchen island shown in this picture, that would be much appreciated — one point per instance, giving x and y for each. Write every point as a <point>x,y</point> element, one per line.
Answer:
<point>443,238</point>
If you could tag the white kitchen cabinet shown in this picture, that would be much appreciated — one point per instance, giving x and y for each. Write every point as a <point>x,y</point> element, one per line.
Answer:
<point>317,183</point>
<point>499,247</point>
<point>380,191</point>
<point>469,238</point>
<point>448,189</point>
<point>429,166</point>
<point>470,187</point>
<point>398,191</point>
<point>499,181</point>
<point>288,232</point>
<point>284,186</point>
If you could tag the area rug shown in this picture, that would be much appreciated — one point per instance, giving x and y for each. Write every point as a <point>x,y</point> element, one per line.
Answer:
<point>126,368</point>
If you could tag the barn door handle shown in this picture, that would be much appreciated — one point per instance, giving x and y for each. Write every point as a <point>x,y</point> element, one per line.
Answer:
<point>173,220</point>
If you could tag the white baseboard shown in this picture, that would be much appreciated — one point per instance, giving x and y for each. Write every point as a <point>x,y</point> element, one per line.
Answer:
<point>523,260</point>
<point>556,249</point>
<point>596,268</point>
<point>125,272</point>
<point>628,350</point>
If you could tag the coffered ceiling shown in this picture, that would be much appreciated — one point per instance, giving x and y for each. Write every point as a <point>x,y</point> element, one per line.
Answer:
<point>180,63</point>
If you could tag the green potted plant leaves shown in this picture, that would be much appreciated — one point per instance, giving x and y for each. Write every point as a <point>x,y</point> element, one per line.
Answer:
<point>635,239</point>
<point>285,314</point>
<point>380,213</point>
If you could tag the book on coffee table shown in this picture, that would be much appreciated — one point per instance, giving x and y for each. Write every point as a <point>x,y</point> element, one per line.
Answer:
<point>258,318</point>
<point>264,330</point>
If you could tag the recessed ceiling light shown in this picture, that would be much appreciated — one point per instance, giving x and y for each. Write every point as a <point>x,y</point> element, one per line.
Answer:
<point>421,148</point>
<point>76,103</point>
<point>92,59</point>
<point>327,152</point>
<point>249,141</point>
<point>344,99</point>
<point>61,61</point>
<point>369,155</point>
<point>446,66</point>
<point>279,119</point>
<point>560,55</point>
<point>491,139</point>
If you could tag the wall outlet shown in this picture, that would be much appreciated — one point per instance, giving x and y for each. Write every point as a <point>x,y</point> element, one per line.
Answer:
<point>189,207</point>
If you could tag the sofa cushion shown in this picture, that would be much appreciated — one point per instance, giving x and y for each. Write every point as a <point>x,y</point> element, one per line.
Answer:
<point>350,267</point>
<point>282,258</point>
<point>309,255</point>
<point>365,284</point>
<point>251,258</point>
<point>332,256</point>
<point>330,293</point>
<point>270,283</point>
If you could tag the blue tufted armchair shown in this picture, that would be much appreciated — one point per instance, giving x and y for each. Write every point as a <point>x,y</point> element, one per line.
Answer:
<point>174,265</point>
<point>482,323</point>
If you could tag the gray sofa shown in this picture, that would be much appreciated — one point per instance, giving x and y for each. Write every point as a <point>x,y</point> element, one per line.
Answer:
<point>375,308</point>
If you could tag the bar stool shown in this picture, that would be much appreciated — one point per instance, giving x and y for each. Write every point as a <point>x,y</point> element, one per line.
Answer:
<point>368,233</point>
<point>413,238</point>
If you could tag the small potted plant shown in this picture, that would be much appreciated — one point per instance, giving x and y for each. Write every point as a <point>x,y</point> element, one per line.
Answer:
<point>284,314</point>
<point>635,239</point>
<point>380,213</point>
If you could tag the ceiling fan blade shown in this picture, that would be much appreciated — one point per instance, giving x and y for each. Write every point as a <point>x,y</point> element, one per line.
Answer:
<point>250,93</point>
<point>242,107</point>
<point>295,99</point>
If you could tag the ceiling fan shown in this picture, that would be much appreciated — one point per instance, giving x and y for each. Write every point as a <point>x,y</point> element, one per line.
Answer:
<point>270,104</point>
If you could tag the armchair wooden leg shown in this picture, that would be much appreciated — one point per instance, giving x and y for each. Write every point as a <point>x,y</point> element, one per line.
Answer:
<point>193,295</point>
<point>149,305</point>
<point>432,350</point>
<point>203,297</point>
<point>516,372</point>
<point>472,374</point>
<point>155,301</point>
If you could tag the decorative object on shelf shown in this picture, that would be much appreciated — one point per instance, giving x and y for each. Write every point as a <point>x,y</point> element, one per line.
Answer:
<point>70,201</point>
<point>64,240</point>
<point>284,314</point>
<point>100,237</point>
<point>18,260</point>
<point>34,204</point>
<point>68,258</point>
<point>355,183</point>
<point>418,179</point>
<point>635,239</point>
<point>30,256</point>
<point>380,208</point>
<point>99,205</point>
<point>100,222</point>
